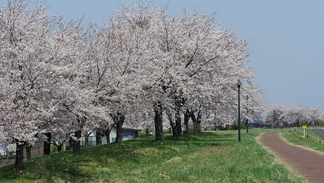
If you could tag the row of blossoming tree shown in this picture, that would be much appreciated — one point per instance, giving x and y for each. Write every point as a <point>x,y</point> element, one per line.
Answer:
<point>143,67</point>
<point>293,115</point>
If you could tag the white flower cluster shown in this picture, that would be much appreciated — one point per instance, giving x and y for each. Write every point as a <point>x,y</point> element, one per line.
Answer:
<point>58,77</point>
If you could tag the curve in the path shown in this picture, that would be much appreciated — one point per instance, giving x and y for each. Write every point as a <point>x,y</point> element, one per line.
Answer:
<point>307,163</point>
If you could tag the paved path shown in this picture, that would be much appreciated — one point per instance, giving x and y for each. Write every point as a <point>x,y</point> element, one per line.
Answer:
<point>319,132</point>
<point>306,163</point>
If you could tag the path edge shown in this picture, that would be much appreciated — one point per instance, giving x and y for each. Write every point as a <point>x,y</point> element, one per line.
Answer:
<point>279,159</point>
<point>300,146</point>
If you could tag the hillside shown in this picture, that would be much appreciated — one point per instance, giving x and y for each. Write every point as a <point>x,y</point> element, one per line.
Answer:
<point>205,157</point>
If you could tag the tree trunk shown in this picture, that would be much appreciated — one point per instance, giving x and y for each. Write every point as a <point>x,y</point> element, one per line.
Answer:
<point>98,137</point>
<point>172,123</point>
<point>178,103</point>
<point>47,144</point>
<point>58,145</point>
<point>174,131</point>
<point>178,122</point>
<point>59,148</point>
<point>158,121</point>
<point>28,148</point>
<point>19,154</point>
<point>186,121</point>
<point>196,121</point>
<point>76,143</point>
<point>119,132</point>
<point>86,140</point>
<point>119,120</point>
<point>107,134</point>
<point>193,117</point>
<point>147,132</point>
<point>108,137</point>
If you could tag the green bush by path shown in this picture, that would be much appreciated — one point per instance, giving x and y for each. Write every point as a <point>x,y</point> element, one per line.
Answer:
<point>204,157</point>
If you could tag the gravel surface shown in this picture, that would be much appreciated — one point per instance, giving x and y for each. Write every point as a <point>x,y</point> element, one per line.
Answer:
<point>319,132</point>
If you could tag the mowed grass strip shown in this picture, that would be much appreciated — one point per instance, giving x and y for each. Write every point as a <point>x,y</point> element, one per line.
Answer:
<point>205,157</point>
<point>298,139</point>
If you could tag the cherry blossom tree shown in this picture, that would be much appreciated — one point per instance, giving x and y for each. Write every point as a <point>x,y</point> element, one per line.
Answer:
<point>206,61</point>
<point>24,66</point>
<point>255,107</point>
<point>315,115</point>
<point>117,65</point>
<point>63,78</point>
<point>274,114</point>
<point>76,95</point>
<point>133,63</point>
<point>297,114</point>
<point>194,61</point>
<point>293,115</point>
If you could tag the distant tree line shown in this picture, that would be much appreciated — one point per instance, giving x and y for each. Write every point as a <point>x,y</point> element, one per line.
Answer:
<point>293,115</point>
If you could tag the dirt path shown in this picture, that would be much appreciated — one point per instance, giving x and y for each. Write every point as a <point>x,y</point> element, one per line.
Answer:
<point>301,161</point>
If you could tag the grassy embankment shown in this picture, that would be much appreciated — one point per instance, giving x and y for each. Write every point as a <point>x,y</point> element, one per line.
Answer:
<point>205,157</point>
<point>297,138</point>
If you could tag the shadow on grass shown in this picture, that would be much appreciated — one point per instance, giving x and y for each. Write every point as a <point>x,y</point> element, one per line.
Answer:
<point>110,158</point>
<point>47,169</point>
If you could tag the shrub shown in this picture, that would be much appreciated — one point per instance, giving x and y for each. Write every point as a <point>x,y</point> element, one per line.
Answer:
<point>234,126</point>
<point>194,128</point>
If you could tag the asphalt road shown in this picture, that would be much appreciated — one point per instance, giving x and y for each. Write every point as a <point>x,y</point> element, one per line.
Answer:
<point>319,132</point>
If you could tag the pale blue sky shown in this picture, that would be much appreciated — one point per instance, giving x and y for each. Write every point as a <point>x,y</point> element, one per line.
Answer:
<point>287,39</point>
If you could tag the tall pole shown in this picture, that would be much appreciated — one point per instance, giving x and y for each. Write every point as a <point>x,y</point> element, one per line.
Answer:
<point>247,112</point>
<point>239,115</point>
<point>238,110</point>
<point>274,117</point>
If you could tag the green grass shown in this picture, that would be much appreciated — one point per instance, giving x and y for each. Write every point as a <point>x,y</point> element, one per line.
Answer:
<point>296,138</point>
<point>205,157</point>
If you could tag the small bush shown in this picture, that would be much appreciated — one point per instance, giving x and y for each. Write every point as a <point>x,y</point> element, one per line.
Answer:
<point>234,126</point>
<point>194,128</point>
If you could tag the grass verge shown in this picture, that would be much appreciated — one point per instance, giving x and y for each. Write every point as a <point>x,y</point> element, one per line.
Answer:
<point>205,157</point>
<point>297,139</point>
